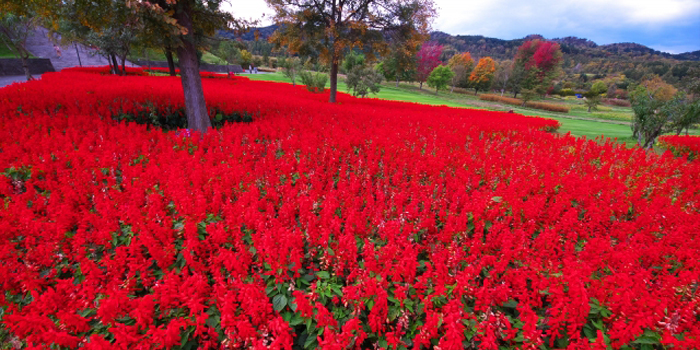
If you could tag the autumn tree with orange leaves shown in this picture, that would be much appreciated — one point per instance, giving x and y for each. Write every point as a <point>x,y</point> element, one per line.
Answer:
<point>333,27</point>
<point>483,73</point>
<point>461,65</point>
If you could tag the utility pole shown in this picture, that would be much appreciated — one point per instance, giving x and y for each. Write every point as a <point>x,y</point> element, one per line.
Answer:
<point>77,53</point>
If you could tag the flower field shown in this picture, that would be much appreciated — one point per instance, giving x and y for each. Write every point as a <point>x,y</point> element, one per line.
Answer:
<point>298,224</point>
<point>682,146</point>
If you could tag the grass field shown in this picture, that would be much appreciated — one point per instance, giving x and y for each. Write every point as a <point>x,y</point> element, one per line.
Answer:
<point>5,52</point>
<point>591,129</point>
<point>158,55</point>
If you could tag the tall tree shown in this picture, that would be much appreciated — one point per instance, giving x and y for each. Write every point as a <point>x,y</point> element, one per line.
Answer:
<point>14,31</point>
<point>332,27</point>
<point>187,22</point>
<point>427,58</point>
<point>504,72</point>
<point>539,61</point>
<point>411,31</point>
<point>461,64</point>
<point>656,106</point>
<point>481,76</point>
<point>18,18</point>
<point>110,26</point>
<point>190,20</point>
<point>440,78</point>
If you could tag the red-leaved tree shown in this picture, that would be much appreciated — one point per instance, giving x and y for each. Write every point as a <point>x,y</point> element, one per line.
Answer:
<point>428,57</point>
<point>539,59</point>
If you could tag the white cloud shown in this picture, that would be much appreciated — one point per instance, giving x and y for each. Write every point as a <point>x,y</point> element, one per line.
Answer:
<point>501,17</point>
<point>603,21</point>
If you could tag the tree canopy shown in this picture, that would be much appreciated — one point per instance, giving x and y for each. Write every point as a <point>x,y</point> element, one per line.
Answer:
<point>331,27</point>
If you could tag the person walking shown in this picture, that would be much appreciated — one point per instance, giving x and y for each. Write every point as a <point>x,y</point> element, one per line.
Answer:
<point>58,50</point>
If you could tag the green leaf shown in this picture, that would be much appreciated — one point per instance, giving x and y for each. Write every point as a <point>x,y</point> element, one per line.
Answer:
<point>279,302</point>
<point>311,341</point>
<point>323,275</point>
<point>296,320</point>
<point>649,337</point>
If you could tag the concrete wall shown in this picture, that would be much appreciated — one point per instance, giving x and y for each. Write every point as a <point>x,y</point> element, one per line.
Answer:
<point>216,68</point>
<point>13,66</point>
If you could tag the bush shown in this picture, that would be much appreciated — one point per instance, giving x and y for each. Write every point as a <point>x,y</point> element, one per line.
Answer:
<point>315,82</point>
<point>503,99</point>
<point>552,107</point>
<point>616,102</point>
<point>363,80</point>
<point>257,61</point>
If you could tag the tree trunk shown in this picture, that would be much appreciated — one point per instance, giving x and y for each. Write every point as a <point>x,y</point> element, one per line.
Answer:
<point>515,94</point>
<point>171,61</point>
<point>397,80</point>
<point>420,85</point>
<point>115,64</point>
<point>123,58</point>
<point>109,61</point>
<point>639,138</point>
<point>195,105</point>
<point>334,77</point>
<point>25,65</point>
<point>80,62</point>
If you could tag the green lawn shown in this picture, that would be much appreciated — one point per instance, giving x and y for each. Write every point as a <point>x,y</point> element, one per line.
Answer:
<point>159,55</point>
<point>591,129</point>
<point>5,52</point>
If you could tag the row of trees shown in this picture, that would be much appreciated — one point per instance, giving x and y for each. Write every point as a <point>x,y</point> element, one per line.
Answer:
<point>113,27</point>
<point>532,71</point>
<point>328,28</point>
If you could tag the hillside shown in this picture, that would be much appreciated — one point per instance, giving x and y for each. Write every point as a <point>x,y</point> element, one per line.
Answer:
<point>500,49</point>
<point>505,49</point>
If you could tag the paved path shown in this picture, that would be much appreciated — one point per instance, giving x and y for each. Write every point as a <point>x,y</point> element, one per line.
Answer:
<point>7,80</point>
<point>41,46</point>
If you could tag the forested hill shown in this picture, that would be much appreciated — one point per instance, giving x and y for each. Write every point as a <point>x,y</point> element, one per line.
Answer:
<point>500,49</point>
<point>262,32</point>
<point>505,49</point>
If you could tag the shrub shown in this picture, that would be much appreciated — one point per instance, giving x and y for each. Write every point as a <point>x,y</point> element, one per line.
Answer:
<point>530,104</point>
<point>363,80</point>
<point>315,82</point>
<point>503,99</point>
<point>552,107</point>
<point>291,67</point>
<point>616,102</point>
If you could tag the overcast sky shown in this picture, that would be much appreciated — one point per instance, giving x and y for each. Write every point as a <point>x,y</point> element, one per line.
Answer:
<point>665,25</point>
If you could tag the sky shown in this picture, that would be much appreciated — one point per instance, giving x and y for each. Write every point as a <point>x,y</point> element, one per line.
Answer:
<point>665,25</point>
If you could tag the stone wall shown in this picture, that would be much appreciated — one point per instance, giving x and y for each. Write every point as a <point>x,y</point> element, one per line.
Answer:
<point>13,66</point>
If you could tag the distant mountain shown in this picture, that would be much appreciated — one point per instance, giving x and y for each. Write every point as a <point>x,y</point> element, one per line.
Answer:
<point>263,33</point>
<point>500,49</point>
<point>505,49</point>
